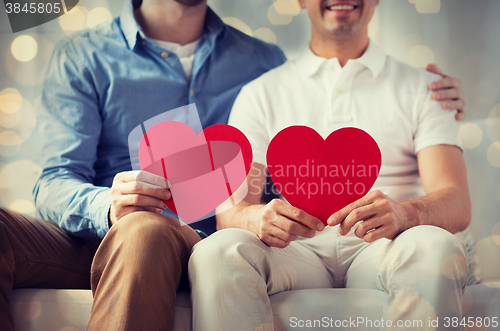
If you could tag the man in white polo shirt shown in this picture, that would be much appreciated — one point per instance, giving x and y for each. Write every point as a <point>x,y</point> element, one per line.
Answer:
<point>395,239</point>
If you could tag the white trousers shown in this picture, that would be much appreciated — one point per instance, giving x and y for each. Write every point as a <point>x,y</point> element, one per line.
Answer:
<point>233,273</point>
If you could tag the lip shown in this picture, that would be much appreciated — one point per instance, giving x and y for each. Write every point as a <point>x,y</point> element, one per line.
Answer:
<point>344,12</point>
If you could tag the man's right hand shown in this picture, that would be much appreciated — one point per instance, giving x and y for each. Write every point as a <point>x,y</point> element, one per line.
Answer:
<point>137,191</point>
<point>278,223</point>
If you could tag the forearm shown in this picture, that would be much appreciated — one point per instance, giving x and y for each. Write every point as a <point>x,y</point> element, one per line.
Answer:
<point>448,208</point>
<point>76,206</point>
<point>239,216</point>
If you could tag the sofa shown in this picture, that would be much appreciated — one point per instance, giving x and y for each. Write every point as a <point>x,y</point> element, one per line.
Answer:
<point>69,310</point>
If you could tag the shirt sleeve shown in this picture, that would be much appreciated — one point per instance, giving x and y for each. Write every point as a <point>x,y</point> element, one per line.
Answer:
<point>435,125</point>
<point>67,135</point>
<point>248,115</point>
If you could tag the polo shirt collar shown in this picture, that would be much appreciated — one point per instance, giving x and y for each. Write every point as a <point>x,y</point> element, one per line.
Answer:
<point>133,32</point>
<point>373,59</point>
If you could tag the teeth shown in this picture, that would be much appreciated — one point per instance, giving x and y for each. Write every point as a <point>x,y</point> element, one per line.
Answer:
<point>341,7</point>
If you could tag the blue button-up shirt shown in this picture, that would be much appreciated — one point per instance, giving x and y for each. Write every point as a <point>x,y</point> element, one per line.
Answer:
<point>103,83</point>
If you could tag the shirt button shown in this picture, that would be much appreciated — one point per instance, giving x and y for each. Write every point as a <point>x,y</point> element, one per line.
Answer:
<point>164,54</point>
<point>339,91</point>
<point>192,93</point>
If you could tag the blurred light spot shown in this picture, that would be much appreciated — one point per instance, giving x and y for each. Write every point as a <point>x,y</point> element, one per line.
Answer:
<point>408,302</point>
<point>470,135</point>
<point>282,310</point>
<point>27,307</point>
<point>496,233</point>
<point>488,261</point>
<point>410,41</point>
<point>9,138</point>
<point>97,16</point>
<point>10,100</point>
<point>493,154</point>
<point>238,24</point>
<point>460,306</point>
<point>493,124</point>
<point>24,48</point>
<point>428,6</point>
<point>10,120</point>
<point>21,124</point>
<point>406,299</point>
<point>74,20</point>
<point>287,7</point>
<point>23,206</point>
<point>28,73</point>
<point>374,25</point>
<point>266,35</point>
<point>454,266</point>
<point>420,56</point>
<point>277,18</point>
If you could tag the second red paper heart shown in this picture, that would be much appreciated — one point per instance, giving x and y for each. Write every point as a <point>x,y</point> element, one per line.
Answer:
<point>322,176</point>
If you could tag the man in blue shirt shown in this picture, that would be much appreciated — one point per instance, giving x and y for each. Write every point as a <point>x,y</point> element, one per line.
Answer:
<point>100,85</point>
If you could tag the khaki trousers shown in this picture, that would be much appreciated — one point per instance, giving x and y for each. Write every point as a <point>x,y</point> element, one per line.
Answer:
<point>233,273</point>
<point>134,272</point>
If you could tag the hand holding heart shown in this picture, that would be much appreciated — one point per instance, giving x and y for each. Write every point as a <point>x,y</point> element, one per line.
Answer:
<point>380,217</point>
<point>278,223</point>
<point>137,191</point>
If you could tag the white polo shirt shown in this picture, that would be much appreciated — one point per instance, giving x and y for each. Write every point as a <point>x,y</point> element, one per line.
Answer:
<point>377,93</point>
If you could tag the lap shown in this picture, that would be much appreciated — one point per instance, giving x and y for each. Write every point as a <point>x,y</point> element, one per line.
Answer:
<point>39,254</point>
<point>292,268</point>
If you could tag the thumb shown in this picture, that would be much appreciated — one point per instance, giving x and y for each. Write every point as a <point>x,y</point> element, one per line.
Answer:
<point>434,69</point>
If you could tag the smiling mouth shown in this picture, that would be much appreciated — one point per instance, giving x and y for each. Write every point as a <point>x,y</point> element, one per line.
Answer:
<point>341,7</point>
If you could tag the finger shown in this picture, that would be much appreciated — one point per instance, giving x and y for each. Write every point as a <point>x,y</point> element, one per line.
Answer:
<point>454,104</point>
<point>282,234</point>
<point>368,225</point>
<point>139,200</point>
<point>356,216</point>
<point>384,231</point>
<point>340,216</point>
<point>272,241</point>
<point>298,215</point>
<point>143,188</point>
<point>446,82</point>
<point>448,94</point>
<point>434,69</point>
<point>461,115</point>
<point>144,176</point>
<point>292,227</point>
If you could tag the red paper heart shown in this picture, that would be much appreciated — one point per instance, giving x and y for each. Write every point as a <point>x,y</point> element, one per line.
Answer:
<point>323,176</point>
<point>204,170</point>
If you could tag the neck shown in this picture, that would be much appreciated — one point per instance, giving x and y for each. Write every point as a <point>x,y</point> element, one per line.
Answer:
<point>171,21</point>
<point>344,50</point>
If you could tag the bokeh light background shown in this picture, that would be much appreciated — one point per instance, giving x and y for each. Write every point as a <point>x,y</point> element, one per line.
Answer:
<point>461,36</point>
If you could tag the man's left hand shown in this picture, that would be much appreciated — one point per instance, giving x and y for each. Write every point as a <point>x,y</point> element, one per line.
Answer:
<point>449,90</point>
<point>380,217</point>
